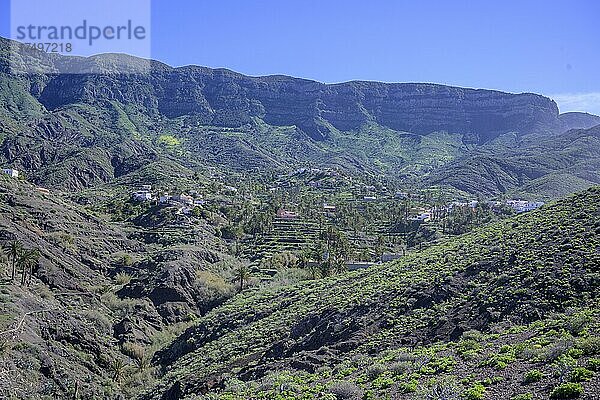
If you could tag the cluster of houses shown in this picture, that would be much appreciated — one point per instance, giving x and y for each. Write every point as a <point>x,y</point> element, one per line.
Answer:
<point>521,206</point>
<point>301,171</point>
<point>183,201</point>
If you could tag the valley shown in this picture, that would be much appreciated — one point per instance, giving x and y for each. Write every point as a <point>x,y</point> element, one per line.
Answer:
<point>195,233</point>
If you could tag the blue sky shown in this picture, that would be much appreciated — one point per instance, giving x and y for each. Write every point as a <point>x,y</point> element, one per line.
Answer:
<point>550,47</point>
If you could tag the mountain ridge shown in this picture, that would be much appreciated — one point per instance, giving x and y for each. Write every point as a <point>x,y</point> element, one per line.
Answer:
<point>407,131</point>
<point>222,97</point>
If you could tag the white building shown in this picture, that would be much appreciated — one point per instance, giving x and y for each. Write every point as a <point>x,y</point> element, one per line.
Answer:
<point>422,216</point>
<point>521,206</point>
<point>285,214</point>
<point>13,173</point>
<point>142,196</point>
<point>459,204</point>
<point>356,265</point>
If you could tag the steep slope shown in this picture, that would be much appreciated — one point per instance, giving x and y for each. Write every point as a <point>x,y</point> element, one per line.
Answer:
<point>224,98</point>
<point>81,323</point>
<point>389,330</point>
<point>56,334</point>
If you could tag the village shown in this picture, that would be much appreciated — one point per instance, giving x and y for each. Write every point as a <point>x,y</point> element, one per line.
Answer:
<point>303,211</point>
<point>373,224</point>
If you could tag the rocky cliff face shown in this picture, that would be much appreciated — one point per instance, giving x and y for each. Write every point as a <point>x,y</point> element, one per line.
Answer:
<point>224,98</point>
<point>221,97</point>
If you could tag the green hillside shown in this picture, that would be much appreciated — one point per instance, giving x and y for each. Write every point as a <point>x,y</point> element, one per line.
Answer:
<point>475,316</point>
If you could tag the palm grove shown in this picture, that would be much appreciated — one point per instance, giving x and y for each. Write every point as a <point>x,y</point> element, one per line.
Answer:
<point>21,260</point>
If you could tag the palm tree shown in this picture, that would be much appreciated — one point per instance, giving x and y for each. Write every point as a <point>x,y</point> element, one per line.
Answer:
<point>118,369</point>
<point>28,260</point>
<point>242,275</point>
<point>13,250</point>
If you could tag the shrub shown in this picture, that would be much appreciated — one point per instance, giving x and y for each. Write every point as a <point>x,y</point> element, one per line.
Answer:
<point>580,374</point>
<point>593,364</point>
<point>374,371</point>
<point>575,353</point>
<point>44,292</point>
<point>122,278</point>
<point>5,346</point>
<point>134,351</point>
<point>505,349</point>
<point>567,391</point>
<point>590,345</point>
<point>577,323</point>
<point>443,364</point>
<point>444,389</point>
<point>346,390</point>
<point>563,367</point>
<point>468,348</point>
<point>555,350</point>
<point>408,387</point>
<point>99,320</point>
<point>500,361</point>
<point>492,381</point>
<point>126,260</point>
<point>62,239</point>
<point>475,392</point>
<point>383,382</point>
<point>400,367</point>
<point>212,287</point>
<point>122,306</point>
<point>526,351</point>
<point>534,375</point>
